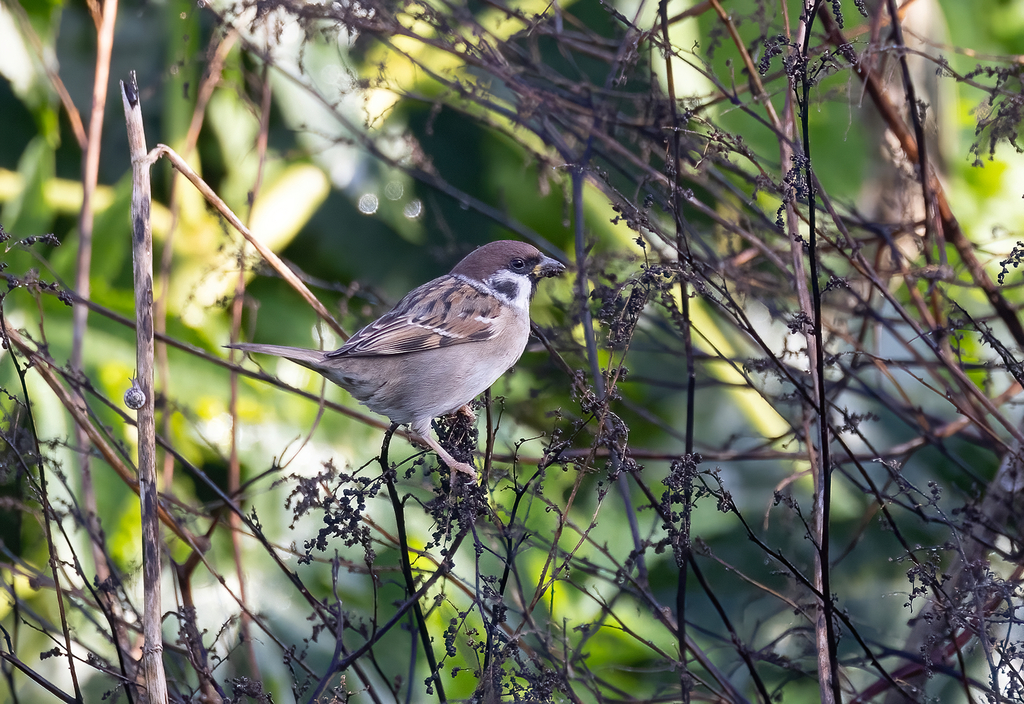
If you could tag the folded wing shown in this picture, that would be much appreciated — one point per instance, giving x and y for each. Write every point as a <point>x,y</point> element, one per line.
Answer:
<point>440,313</point>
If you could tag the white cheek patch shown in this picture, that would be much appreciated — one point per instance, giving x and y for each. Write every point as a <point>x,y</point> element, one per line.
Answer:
<point>513,289</point>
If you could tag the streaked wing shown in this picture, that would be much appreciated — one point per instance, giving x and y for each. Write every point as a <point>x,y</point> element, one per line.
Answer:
<point>445,311</point>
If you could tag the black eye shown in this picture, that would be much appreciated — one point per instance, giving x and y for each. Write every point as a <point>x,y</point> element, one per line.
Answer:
<point>517,264</point>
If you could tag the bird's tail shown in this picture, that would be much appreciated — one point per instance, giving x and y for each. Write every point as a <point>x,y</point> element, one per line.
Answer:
<point>313,359</point>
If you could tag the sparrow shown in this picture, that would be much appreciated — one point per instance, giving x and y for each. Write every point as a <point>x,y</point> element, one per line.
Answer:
<point>443,345</point>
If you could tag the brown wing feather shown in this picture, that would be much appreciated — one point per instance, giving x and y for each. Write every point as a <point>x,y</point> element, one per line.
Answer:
<point>445,311</point>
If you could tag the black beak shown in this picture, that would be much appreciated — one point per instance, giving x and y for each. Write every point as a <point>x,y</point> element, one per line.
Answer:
<point>547,267</point>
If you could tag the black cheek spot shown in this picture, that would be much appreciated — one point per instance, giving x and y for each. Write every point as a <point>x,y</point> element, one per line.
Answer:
<point>506,288</point>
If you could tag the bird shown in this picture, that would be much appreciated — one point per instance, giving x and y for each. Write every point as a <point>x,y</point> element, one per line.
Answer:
<point>442,345</point>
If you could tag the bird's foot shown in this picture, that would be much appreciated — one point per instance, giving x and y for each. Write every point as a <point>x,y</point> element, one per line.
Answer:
<point>446,457</point>
<point>463,467</point>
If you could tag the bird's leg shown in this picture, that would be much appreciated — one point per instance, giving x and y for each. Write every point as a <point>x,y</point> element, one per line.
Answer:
<point>423,435</point>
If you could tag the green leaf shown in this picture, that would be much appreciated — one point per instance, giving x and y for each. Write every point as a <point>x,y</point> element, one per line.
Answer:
<point>28,213</point>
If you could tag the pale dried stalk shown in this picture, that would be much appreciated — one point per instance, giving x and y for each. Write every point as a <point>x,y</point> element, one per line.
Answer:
<point>142,249</point>
<point>825,648</point>
<point>90,144</point>
<point>90,173</point>
<point>275,261</point>
<point>29,33</point>
<point>786,128</point>
<point>210,81</point>
<point>234,464</point>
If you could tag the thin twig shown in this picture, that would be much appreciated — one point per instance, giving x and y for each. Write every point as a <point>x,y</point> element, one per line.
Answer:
<point>49,515</point>
<point>403,550</point>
